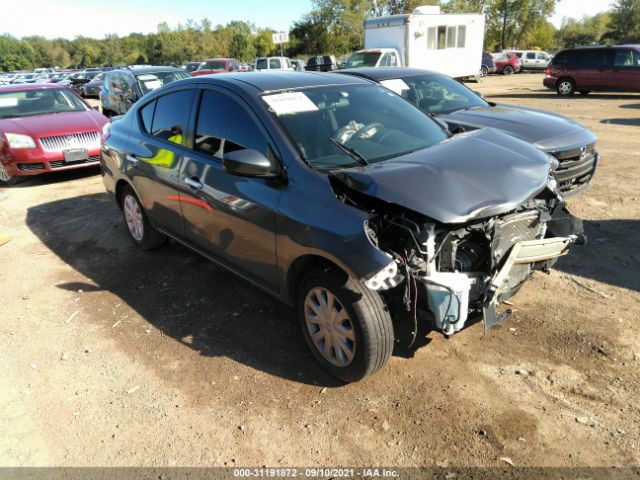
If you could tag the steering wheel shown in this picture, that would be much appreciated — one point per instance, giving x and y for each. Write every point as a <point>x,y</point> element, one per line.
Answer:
<point>362,133</point>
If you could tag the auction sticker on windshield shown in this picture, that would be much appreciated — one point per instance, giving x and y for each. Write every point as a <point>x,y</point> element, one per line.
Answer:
<point>150,81</point>
<point>289,103</point>
<point>396,85</point>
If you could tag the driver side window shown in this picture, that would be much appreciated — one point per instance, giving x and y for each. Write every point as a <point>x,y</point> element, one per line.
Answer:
<point>224,126</point>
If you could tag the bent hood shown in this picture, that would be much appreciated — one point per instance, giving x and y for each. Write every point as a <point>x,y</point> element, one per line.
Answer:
<point>545,130</point>
<point>469,176</point>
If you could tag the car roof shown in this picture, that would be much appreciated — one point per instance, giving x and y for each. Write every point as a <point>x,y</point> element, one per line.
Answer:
<point>276,80</point>
<point>378,74</point>
<point>149,69</point>
<point>30,86</point>
<point>219,59</point>
<point>599,47</point>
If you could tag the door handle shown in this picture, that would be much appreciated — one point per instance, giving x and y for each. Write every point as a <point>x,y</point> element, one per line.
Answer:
<point>132,159</point>
<point>193,183</point>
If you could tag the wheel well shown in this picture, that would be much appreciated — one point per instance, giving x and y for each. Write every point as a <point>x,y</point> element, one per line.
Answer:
<point>119,188</point>
<point>565,78</point>
<point>302,265</point>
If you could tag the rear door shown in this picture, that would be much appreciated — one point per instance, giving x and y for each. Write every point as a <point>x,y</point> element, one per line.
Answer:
<point>592,68</point>
<point>157,158</point>
<point>229,217</point>
<point>528,60</point>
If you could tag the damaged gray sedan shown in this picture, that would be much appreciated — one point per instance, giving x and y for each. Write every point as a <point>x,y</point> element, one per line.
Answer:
<point>343,200</point>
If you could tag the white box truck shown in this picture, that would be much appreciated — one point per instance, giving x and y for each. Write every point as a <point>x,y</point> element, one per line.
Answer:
<point>446,43</point>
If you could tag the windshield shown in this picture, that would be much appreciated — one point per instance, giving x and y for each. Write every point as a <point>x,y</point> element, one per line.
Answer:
<point>213,65</point>
<point>345,126</point>
<point>26,103</point>
<point>363,59</point>
<point>435,93</point>
<point>151,81</point>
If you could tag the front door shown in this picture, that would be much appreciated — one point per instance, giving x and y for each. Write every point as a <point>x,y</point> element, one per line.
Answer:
<point>626,70</point>
<point>229,217</point>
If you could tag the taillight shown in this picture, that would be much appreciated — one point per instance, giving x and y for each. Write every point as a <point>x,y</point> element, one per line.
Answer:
<point>548,72</point>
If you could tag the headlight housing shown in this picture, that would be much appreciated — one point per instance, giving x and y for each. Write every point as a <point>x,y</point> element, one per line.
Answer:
<point>17,140</point>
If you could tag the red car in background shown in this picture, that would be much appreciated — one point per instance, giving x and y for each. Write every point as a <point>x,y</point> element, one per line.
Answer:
<point>506,63</point>
<point>46,128</point>
<point>217,65</point>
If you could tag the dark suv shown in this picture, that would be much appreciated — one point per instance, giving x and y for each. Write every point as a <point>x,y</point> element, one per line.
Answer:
<point>123,87</point>
<point>586,69</point>
<point>339,198</point>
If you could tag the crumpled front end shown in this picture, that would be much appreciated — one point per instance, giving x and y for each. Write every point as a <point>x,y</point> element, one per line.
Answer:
<point>462,271</point>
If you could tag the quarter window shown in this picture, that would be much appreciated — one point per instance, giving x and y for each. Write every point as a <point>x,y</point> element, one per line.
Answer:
<point>146,116</point>
<point>225,126</point>
<point>171,117</point>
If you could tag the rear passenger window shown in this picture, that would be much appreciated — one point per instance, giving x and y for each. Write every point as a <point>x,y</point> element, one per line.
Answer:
<point>531,55</point>
<point>225,126</point>
<point>171,117</point>
<point>590,58</point>
<point>146,116</point>
<point>274,64</point>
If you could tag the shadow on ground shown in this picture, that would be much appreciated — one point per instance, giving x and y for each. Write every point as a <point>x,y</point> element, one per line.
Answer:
<point>185,296</point>
<point>634,122</point>
<point>610,256</point>
<point>31,181</point>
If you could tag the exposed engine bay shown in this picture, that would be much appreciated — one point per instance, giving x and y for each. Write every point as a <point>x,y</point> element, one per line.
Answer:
<point>464,270</point>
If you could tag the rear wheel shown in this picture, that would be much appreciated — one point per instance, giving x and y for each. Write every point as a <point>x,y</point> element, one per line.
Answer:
<point>142,232</point>
<point>347,326</point>
<point>508,70</point>
<point>5,178</point>
<point>484,71</point>
<point>566,87</point>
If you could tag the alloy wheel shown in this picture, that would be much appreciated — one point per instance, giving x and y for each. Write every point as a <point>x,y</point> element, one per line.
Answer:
<point>4,175</point>
<point>330,326</point>
<point>133,217</point>
<point>565,88</point>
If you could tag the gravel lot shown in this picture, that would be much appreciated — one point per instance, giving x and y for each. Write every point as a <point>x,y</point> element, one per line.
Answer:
<point>113,356</point>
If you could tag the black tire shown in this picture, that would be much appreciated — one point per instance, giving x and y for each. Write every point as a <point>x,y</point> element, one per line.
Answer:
<point>484,71</point>
<point>368,320</point>
<point>565,87</point>
<point>507,70</point>
<point>584,92</point>
<point>149,237</point>
<point>7,180</point>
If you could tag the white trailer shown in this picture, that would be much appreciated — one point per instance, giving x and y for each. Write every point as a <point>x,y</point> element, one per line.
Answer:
<point>447,43</point>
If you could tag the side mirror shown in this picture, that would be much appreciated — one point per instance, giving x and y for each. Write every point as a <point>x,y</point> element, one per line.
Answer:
<point>248,163</point>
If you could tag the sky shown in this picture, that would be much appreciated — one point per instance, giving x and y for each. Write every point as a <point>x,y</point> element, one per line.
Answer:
<point>96,18</point>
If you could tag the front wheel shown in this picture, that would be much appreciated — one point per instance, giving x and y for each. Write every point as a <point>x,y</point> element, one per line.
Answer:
<point>508,70</point>
<point>566,87</point>
<point>347,326</point>
<point>484,71</point>
<point>140,229</point>
<point>5,178</point>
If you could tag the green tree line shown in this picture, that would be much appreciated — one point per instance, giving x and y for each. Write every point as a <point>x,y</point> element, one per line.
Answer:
<point>331,27</point>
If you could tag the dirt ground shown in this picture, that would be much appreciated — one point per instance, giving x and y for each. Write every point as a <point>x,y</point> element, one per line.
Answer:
<point>113,356</point>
